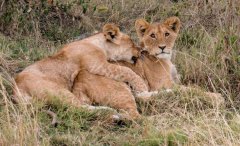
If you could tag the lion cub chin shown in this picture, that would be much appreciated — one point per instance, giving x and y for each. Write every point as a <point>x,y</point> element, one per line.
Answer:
<point>54,76</point>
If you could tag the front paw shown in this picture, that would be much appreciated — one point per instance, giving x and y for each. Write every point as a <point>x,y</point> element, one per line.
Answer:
<point>145,95</point>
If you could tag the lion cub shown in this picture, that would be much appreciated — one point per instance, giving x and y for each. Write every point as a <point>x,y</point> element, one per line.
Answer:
<point>54,76</point>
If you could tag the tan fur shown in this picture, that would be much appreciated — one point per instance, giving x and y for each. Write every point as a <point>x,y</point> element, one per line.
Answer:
<point>156,73</point>
<point>155,36</point>
<point>155,68</point>
<point>105,91</point>
<point>54,76</point>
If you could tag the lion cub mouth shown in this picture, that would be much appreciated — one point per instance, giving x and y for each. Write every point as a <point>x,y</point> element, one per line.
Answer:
<point>162,53</point>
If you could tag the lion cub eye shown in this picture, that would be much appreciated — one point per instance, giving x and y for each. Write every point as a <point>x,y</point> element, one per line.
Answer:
<point>167,34</point>
<point>153,35</point>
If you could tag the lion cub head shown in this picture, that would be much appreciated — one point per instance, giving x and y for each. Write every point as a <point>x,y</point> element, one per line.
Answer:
<point>158,38</point>
<point>120,46</point>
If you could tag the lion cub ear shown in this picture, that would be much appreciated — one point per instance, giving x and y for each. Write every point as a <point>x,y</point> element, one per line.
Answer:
<point>173,23</point>
<point>111,33</point>
<point>141,26</point>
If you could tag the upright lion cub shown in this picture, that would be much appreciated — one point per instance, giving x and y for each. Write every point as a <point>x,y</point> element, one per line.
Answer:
<point>54,76</point>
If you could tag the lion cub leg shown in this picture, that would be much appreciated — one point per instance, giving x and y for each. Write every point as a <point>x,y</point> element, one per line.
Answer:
<point>215,98</point>
<point>119,73</point>
<point>125,102</point>
<point>106,92</point>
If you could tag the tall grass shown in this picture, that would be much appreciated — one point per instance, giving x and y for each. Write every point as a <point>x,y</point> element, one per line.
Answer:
<point>207,55</point>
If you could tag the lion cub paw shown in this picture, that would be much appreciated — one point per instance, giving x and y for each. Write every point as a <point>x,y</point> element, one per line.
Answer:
<point>146,95</point>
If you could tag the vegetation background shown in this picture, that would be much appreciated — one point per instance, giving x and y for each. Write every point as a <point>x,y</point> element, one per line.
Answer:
<point>207,54</point>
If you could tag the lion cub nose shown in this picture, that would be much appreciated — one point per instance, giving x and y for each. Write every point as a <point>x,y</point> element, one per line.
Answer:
<point>162,47</point>
<point>134,59</point>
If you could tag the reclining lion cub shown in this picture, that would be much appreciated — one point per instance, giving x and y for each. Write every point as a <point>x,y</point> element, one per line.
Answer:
<point>154,66</point>
<point>54,76</point>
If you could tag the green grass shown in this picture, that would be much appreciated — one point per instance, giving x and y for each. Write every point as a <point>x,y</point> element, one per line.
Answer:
<point>207,57</point>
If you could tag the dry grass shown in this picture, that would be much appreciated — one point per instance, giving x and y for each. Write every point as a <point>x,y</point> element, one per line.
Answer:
<point>207,55</point>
